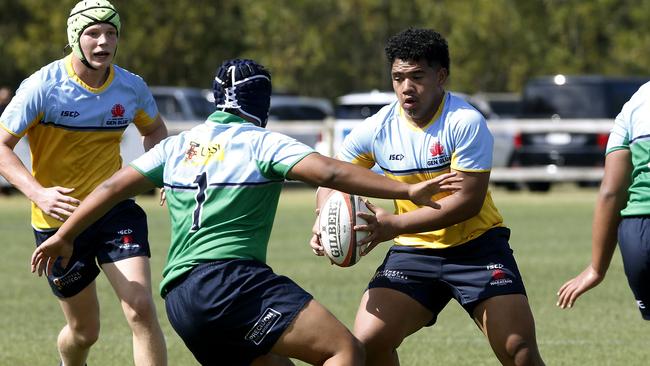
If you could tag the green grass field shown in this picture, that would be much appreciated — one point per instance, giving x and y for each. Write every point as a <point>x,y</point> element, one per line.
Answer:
<point>551,234</point>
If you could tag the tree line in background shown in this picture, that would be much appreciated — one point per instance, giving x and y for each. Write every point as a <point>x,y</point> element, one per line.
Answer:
<point>327,48</point>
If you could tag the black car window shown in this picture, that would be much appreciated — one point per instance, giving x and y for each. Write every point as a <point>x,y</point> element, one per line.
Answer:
<point>619,93</point>
<point>565,101</point>
<point>296,113</point>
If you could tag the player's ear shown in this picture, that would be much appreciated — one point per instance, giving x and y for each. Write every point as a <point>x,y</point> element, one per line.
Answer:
<point>441,75</point>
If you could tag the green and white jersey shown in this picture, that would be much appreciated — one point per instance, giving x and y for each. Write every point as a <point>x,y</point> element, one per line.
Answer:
<point>222,182</point>
<point>632,131</point>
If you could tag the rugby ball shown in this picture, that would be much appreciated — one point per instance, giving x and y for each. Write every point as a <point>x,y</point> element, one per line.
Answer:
<point>337,217</point>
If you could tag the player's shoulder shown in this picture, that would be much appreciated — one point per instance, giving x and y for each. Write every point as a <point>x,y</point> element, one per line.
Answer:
<point>46,77</point>
<point>128,77</point>
<point>460,113</point>
<point>637,104</point>
<point>381,120</point>
<point>645,88</point>
<point>642,94</point>
<point>122,72</point>
<point>386,114</point>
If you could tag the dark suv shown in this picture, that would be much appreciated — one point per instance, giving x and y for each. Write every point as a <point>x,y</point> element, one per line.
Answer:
<point>574,102</point>
<point>577,97</point>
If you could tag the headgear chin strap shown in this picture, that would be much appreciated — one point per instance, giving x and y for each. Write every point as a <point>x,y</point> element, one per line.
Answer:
<point>85,14</point>
<point>245,86</point>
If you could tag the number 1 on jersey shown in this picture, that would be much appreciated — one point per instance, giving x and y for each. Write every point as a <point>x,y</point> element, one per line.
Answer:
<point>202,182</point>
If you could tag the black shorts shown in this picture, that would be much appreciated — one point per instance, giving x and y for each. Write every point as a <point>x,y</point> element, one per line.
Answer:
<point>121,233</point>
<point>471,272</point>
<point>230,312</point>
<point>634,241</point>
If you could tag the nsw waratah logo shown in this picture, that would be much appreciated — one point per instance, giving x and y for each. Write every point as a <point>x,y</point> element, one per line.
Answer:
<point>436,149</point>
<point>117,116</point>
<point>500,278</point>
<point>439,157</point>
<point>118,111</point>
<point>498,274</point>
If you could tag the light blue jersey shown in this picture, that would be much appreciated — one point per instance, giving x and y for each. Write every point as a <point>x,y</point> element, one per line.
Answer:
<point>631,131</point>
<point>222,181</point>
<point>74,130</point>
<point>456,138</point>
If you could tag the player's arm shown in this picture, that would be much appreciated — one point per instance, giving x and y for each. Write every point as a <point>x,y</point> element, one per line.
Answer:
<point>612,198</point>
<point>331,174</point>
<point>54,201</point>
<point>458,207</point>
<point>124,184</point>
<point>322,171</point>
<point>153,133</point>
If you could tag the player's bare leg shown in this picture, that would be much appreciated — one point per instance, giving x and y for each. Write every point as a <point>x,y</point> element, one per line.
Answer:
<point>131,280</point>
<point>81,312</point>
<point>384,318</point>
<point>508,323</point>
<point>318,338</point>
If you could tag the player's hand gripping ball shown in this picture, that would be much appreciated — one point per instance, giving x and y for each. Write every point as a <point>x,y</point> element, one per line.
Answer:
<point>337,217</point>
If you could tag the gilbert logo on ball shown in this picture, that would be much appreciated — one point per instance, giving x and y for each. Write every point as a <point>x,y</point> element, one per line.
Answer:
<point>337,217</point>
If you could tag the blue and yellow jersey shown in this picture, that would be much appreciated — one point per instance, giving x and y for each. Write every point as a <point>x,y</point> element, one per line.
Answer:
<point>222,182</point>
<point>631,131</point>
<point>74,130</point>
<point>456,138</point>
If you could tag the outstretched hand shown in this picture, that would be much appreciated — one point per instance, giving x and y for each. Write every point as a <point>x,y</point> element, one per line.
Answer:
<point>572,289</point>
<point>421,193</point>
<point>46,254</point>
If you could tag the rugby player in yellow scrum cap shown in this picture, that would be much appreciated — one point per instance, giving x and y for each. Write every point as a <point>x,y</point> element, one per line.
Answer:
<point>74,111</point>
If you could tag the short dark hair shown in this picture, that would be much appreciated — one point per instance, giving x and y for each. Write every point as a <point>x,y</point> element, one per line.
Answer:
<point>415,44</point>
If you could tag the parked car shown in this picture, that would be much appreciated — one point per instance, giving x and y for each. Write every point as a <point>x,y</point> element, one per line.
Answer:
<point>299,117</point>
<point>577,97</point>
<point>181,107</point>
<point>363,104</point>
<point>501,105</point>
<point>296,116</point>
<point>285,107</point>
<point>565,122</point>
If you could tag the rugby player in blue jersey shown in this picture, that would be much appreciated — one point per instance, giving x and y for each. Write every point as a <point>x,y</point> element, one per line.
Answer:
<point>223,181</point>
<point>74,112</point>
<point>623,206</point>
<point>459,251</point>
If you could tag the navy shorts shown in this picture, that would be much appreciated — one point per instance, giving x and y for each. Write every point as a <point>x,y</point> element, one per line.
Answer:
<point>634,241</point>
<point>121,233</point>
<point>230,312</point>
<point>470,273</point>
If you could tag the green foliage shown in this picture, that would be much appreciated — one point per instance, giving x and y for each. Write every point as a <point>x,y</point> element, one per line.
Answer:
<point>330,47</point>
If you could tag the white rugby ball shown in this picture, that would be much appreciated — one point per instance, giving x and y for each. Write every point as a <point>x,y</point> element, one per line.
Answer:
<point>337,217</point>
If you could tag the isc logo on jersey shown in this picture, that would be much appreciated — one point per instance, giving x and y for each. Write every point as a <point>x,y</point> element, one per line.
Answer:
<point>337,217</point>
